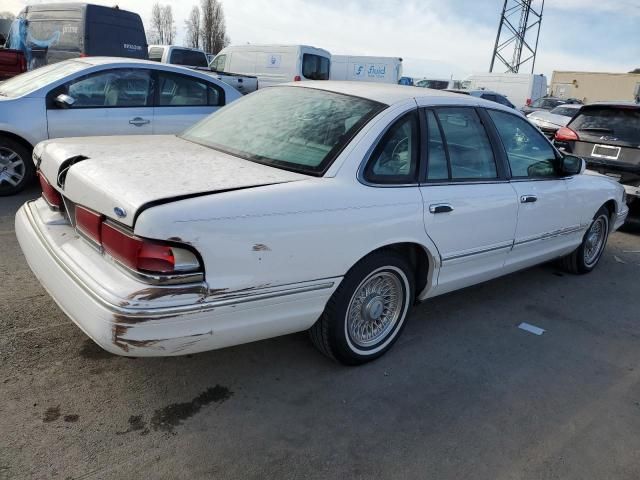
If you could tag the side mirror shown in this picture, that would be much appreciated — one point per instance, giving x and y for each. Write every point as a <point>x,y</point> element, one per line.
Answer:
<point>572,165</point>
<point>64,101</point>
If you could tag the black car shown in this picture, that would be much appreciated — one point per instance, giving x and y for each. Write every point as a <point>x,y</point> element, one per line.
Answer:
<point>607,136</point>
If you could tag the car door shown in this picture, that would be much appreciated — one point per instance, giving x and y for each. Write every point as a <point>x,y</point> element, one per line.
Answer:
<point>108,102</point>
<point>470,209</point>
<point>182,100</point>
<point>547,221</point>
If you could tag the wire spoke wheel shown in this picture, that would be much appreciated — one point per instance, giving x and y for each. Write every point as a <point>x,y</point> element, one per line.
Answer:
<point>375,308</point>
<point>595,241</point>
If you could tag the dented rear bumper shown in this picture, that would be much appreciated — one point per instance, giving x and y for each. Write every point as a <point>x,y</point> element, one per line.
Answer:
<point>128,317</point>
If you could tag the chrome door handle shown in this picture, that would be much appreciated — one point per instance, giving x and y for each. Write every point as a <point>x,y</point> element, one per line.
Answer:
<point>139,121</point>
<point>528,199</point>
<point>440,208</point>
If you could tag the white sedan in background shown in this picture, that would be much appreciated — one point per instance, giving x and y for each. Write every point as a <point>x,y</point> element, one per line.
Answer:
<point>550,121</point>
<point>98,96</point>
<point>322,206</point>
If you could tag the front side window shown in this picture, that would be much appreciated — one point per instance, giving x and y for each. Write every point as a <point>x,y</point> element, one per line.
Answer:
<point>470,153</point>
<point>111,88</point>
<point>315,67</point>
<point>529,154</point>
<point>218,63</point>
<point>293,128</point>
<point>395,159</point>
<point>182,91</point>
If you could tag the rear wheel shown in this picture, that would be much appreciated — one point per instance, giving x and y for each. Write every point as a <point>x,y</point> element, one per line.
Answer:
<point>16,167</point>
<point>585,258</point>
<point>367,313</point>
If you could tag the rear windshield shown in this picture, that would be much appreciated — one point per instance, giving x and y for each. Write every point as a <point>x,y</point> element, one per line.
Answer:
<point>293,128</point>
<point>564,111</point>
<point>620,122</point>
<point>315,67</point>
<point>435,84</point>
<point>191,58</point>
<point>30,81</point>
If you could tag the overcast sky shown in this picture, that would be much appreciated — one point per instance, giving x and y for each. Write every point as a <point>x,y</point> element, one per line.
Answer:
<point>436,38</point>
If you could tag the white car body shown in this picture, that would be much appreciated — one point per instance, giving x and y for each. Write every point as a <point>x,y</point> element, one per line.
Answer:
<point>520,88</point>
<point>366,69</point>
<point>275,244</point>
<point>31,119</point>
<point>272,64</point>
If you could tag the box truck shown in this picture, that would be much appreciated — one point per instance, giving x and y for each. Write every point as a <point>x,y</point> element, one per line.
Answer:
<point>366,69</point>
<point>520,88</point>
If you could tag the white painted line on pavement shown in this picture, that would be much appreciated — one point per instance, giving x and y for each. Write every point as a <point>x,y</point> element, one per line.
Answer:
<point>531,328</point>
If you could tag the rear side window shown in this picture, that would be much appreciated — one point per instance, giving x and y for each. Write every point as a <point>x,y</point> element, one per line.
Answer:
<point>468,146</point>
<point>437,165</point>
<point>395,159</point>
<point>191,58</point>
<point>622,123</point>
<point>182,91</point>
<point>315,67</point>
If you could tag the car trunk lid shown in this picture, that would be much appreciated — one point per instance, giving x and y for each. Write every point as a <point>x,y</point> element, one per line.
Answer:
<point>120,176</point>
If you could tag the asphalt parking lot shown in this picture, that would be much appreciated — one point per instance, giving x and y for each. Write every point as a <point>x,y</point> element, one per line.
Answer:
<point>463,394</point>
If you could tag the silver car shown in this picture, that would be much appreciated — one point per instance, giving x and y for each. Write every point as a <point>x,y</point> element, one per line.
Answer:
<point>98,96</point>
<point>550,121</point>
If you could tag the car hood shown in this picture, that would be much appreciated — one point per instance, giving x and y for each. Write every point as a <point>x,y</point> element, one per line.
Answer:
<point>128,173</point>
<point>545,116</point>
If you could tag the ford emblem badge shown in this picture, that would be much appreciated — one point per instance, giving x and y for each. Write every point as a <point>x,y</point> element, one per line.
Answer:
<point>120,212</point>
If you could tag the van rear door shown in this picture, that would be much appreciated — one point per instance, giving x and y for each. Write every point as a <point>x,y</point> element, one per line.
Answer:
<point>112,32</point>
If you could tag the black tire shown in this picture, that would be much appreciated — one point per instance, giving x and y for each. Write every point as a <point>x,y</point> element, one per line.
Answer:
<point>330,333</point>
<point>12,151</point>
<point>577,262</point>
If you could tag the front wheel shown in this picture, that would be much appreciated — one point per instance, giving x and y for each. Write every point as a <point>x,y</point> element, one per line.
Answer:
<point>16,167</point>
<point>585,258</point>
<point>367,312</point>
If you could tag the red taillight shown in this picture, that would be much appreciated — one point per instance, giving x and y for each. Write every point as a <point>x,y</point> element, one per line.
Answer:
<point>83,55</point>
<point>297,78</point>
<point>528,102</point>
<point>565,134</point>
<point>89,223</point>
<point>50,194</point>
<point>135,252</point>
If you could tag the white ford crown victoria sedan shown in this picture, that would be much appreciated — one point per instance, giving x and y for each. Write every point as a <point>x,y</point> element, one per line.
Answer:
<point>329,207</point>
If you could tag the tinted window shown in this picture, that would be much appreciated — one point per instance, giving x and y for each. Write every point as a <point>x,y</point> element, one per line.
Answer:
<point>315,67</point>
<point>489,96</point>
<point>112,88</point>
<point>529,154</point>
<point>503,100</point>
<point>552,103</point>
<point>436,155</point>
<point>395,159</point>
<point>294,128</point>
<point>192,58</point>
<point>435,84</point>
<point>181,91</point>
<point>470,153</point>
<point>622,123</point>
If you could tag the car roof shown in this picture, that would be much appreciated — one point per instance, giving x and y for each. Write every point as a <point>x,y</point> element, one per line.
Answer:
<point>391,94</point>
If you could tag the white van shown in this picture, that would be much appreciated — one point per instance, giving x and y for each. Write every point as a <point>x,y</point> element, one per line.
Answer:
<point>366,69</point>
<point>274,64</point>
<point>520,88</point>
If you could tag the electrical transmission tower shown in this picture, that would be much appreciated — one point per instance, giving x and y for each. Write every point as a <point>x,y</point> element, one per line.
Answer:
<point>518,30</point>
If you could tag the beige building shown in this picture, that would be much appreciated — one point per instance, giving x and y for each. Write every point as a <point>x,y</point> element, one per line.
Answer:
<point>595,86</point>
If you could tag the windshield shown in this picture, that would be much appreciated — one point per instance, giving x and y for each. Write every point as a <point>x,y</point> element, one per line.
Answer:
<point>191,58</point>
<point>620,122</point>
<point>564,111</point>
<point>30,81</point>
<point>294,128</point>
